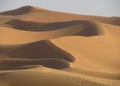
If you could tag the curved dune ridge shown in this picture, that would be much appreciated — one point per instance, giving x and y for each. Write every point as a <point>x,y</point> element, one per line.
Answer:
<point>34,26</point>
<point>50,48</point>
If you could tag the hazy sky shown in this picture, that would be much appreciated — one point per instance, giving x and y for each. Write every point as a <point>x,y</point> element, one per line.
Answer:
<point>88,7</point>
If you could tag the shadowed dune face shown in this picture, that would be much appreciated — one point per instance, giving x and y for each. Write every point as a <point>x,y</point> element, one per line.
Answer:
<point>34,26</point>
<point>90,28</point>
<point>38,50</point>
<point>55,63</point>
<point>20,11</point>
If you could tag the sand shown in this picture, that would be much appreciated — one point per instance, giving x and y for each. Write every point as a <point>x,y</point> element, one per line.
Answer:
<point>41,47</point>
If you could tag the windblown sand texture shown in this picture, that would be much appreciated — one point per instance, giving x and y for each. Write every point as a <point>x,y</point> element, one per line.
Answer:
<point>40,47</point>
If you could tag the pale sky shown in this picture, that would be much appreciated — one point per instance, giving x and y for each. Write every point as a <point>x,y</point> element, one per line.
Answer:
<point>87,7</point>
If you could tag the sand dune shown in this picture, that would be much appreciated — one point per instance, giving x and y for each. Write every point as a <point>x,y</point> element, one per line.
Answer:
<point>95,51</point>
<point>22,10</point>
<point>35,14</point>
<point>41,47</point>
<point>45,77</point>
<point>17,36</point>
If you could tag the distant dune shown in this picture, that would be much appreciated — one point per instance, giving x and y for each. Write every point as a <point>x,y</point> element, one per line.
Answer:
<point>22,10</point>
<point>41,47</point>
